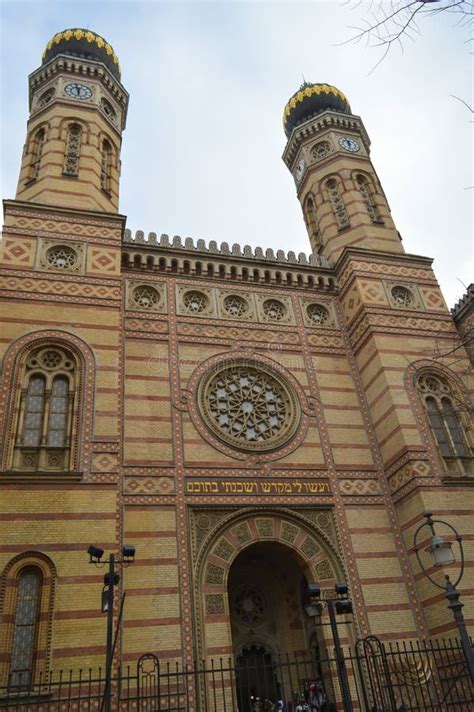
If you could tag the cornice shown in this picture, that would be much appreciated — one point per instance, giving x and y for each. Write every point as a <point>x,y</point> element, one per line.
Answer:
<point>29,207</point>
<point>84,68</point>
<point>322,122</point>
<point>379,256</point>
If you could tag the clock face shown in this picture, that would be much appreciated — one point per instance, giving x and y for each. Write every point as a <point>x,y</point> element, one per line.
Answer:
<point>349,144</point>
<point>78,91</point>
<point>299,170</point>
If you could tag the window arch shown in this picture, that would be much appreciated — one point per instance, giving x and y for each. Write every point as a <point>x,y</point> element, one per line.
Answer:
<point>337,203</point>
<point>311,221</point>
<point>36,153</point>
<point>444,411</point>
<point>27,599</point>
<point>48,403</point>
<point>366,190</point>
<point>106,166</point>
<point>73,150</point>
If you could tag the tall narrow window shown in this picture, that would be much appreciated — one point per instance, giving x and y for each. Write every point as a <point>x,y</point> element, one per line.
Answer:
<point>36,153</point>
<point>46,408</point>
<point>366,193</point>
<point>105,174</point>
<point>34,411</point>
<point>444,413</point>
<point>337,204</point>
<point>25,626</point>
<point>73,150</point>
<point>311,222</point>
<point>58,412</point>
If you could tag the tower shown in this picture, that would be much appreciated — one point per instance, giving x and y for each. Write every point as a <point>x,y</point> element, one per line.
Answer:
<point>78,110</point>
<point>328,154</point>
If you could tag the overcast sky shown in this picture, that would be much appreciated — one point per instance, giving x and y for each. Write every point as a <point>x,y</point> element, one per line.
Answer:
<point>208,82</point>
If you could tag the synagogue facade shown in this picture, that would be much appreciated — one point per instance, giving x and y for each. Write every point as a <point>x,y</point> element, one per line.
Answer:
<point>251,421</point>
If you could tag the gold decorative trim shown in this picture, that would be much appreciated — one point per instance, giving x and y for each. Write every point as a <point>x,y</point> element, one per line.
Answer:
<point>79,34</point>
<point>308,91</point>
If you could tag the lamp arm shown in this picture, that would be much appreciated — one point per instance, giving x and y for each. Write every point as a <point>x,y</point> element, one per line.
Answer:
<point>458,539</point>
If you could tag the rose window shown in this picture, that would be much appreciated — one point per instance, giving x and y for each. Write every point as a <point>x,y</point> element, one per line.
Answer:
<point>195,302</point>
<point>317,313</point>
<point>321,149</point>
<point>402,296</point>
<point>248,406</point>
<point>274,310</point>
<point>235,305</point>
<point>249,605</point>
<point>145,297</point>
<point>62,257</point>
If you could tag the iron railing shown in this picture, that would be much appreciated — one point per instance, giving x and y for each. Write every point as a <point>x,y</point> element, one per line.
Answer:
<point>424,676</point>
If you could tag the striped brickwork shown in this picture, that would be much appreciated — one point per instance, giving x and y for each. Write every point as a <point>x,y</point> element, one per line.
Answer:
<point>342,496</point>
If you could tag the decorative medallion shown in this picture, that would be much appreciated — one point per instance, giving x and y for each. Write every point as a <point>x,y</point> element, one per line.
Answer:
<point>403,297</point>
<point>317,313</point>
<point>195,302</point>
<point>235,305</point>
<point>62,257</point>
<point>145,297</point>
<point>248,605</point>
<point>248,405</point>
<point>274,309</point>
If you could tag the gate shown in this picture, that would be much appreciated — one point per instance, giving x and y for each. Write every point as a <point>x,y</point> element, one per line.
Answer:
<point>414,676</point>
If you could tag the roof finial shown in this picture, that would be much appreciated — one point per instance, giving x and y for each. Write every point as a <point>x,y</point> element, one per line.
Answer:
<point>305,83</point>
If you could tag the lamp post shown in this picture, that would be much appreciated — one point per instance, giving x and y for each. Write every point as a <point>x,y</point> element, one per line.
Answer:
<point>442,554</point>
<point>111,579</point>
<point>339,605</point>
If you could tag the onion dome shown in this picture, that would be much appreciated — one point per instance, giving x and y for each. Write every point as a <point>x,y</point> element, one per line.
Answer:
<point>84,44</point>
<point>312,99</point>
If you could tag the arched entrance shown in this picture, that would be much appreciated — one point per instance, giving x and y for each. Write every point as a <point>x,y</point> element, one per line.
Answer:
<point>253,569</point>
<point>269,628</point>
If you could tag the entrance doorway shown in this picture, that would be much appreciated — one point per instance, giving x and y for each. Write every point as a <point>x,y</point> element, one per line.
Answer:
<point>270,628</point>
<point>256,678</point>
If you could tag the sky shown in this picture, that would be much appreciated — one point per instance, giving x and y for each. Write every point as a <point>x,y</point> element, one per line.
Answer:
<point>208,82</point>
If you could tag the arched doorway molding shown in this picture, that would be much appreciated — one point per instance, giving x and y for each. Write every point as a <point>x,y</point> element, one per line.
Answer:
<point>312,547</point>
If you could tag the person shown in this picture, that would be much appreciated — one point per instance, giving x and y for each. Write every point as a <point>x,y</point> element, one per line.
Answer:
<point>317,697</point>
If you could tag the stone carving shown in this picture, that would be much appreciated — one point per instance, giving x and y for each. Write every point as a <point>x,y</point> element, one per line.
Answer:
<point>242,533</point>
<point>310,548</point>
<point>214,574</point>
<point>214,603</point>
<point>288,532</point>
<point>223,550</point>
<point>324,570</point>
<point>264,527</point>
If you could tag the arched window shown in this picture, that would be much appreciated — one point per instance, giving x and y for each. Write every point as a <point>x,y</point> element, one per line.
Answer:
<point>311,222</point>
<point>36,153</point>
<point>73,150</point>
<point>337,203</point>
<point>25,626</point>
<point>106,167</point>
<point>365,190</point>
<point>45,412</point>
<point>445,414</point>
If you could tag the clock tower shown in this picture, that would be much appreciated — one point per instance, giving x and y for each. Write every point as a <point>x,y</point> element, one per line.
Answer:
<point>328,154</point>
<point>78,110</point>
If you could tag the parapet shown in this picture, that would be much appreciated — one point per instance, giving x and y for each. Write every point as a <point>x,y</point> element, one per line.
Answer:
<point>246,252</point>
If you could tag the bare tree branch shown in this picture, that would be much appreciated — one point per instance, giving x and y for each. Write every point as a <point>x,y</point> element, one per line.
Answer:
<point>388,24</point>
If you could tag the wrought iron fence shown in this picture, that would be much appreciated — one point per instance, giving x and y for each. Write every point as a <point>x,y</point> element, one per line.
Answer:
<point>428,676</point>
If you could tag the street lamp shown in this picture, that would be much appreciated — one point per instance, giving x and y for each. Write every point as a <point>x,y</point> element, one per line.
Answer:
<point>111,579</point>
<point>442,554</point>
<point>340,604</point>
